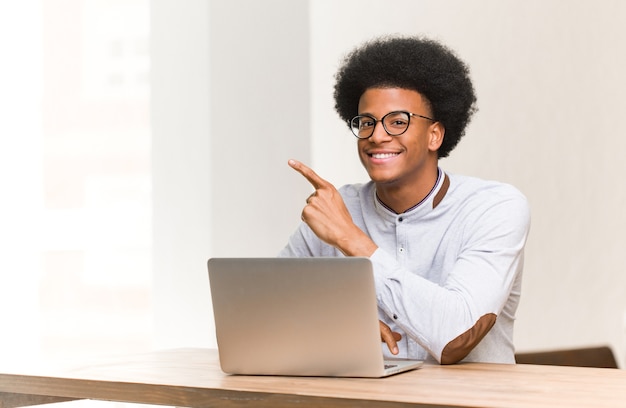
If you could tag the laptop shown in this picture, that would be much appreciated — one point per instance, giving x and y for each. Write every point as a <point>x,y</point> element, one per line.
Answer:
<point>299,317</point>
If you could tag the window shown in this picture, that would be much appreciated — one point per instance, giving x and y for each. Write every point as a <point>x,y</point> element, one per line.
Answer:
<point>78,214</point>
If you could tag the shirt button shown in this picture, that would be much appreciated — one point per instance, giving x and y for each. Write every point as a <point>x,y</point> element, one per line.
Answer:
<point>395,317</point>
<point>400,219</point>
<point>401,250</point>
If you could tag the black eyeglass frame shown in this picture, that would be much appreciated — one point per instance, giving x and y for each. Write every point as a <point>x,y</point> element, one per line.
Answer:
<point>382,120</point>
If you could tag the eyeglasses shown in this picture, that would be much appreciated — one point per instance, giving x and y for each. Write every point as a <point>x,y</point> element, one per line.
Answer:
<point>395,123</point>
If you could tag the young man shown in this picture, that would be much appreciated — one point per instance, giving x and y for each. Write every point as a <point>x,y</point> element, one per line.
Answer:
<point>447,249</point>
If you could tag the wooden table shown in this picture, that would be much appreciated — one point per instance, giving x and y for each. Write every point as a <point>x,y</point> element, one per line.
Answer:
<point>192,378</point>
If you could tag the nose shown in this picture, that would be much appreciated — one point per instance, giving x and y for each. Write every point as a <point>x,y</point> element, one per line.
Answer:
<point>379,135</point>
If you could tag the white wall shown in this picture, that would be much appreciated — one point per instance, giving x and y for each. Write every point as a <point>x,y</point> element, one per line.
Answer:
<point>181,171</point>
<point>259,119</point>
<point>230,83</point>
<point>549,85</point>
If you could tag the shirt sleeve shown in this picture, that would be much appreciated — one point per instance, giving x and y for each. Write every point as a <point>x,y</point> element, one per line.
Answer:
<point>451,317</point>
<point>304,243</point>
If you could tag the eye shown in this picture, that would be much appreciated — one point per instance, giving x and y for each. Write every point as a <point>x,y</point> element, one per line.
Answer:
<point>397,120</point>
<point>365,123</point>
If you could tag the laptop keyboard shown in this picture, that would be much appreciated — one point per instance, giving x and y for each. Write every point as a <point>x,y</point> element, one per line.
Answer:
<point>387,366</point>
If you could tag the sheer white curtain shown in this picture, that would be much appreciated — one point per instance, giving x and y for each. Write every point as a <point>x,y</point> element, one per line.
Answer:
<point>75,218</point>
<point>20,173</point>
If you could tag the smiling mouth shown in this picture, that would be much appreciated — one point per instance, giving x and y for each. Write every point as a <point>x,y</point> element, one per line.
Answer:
<point>383,155</point>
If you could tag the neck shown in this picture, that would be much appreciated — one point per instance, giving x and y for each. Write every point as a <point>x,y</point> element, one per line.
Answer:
<point>400,198</point>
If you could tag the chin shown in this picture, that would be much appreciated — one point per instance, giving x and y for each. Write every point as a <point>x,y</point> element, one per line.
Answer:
<point>382,179</point>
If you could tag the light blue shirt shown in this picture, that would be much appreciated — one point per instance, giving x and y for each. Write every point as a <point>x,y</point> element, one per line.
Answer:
<point>448,271</point>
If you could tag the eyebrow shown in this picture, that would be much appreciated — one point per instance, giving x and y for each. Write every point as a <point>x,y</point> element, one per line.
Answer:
<point>375,117</point>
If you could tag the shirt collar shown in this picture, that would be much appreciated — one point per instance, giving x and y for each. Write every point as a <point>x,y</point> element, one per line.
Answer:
<point>437,193</point>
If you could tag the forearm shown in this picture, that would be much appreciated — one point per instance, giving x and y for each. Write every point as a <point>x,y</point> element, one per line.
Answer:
<point>447,320</point>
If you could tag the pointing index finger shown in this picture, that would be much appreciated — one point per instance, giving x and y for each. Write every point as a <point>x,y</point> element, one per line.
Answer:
<point>308,173</point>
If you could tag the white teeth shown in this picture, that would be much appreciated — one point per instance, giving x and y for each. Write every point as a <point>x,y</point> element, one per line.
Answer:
<point>383,155</point>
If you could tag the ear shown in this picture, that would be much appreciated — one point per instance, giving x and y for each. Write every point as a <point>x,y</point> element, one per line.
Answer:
<point>437,132</point>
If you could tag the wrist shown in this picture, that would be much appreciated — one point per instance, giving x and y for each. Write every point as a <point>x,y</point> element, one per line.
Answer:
<point>361,246</point>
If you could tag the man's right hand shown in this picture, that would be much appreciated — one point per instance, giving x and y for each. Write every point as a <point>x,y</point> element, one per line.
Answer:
<point>326,214</point>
